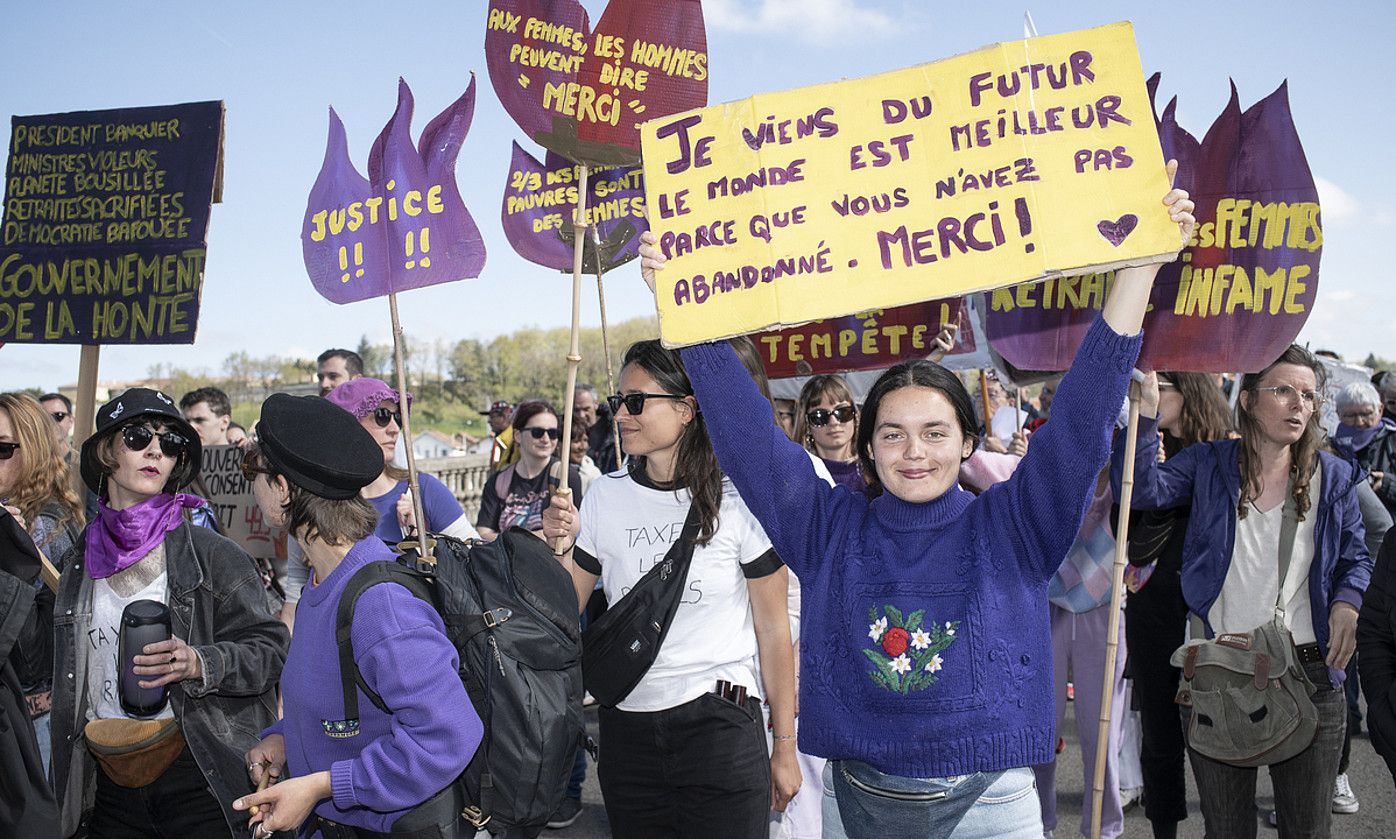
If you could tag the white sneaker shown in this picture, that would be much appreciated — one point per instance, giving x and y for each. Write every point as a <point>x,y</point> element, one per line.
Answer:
<point>1130,797</point>
<point>1344,799</point>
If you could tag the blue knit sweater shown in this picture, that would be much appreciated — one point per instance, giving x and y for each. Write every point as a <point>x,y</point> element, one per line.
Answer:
<point>925,647</point>
<point>396,761</point>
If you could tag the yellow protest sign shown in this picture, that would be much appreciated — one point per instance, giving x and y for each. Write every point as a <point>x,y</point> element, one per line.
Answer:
<point>1029,159</point>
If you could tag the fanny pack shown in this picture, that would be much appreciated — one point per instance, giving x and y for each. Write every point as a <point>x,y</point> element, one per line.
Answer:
<point>1251,700</point>
<point>621,646</point>
<point>133,753</point>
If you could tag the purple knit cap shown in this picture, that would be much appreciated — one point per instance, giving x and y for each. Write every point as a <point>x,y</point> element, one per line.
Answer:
<point>362,397</point>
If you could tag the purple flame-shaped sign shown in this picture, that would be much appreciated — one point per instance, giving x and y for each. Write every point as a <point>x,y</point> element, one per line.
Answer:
<point>405,225</point>
<point>540,199</point>
<point>1242,291</point>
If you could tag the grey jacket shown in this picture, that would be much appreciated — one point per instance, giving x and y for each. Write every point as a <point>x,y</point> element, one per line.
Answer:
<point>219,607</point>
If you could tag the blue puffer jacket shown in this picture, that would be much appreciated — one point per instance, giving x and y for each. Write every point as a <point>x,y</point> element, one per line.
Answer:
<point>1207,477</point>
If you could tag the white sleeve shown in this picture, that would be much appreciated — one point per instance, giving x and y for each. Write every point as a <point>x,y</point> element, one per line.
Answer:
<point>461,528</point>
<point>297,572</point>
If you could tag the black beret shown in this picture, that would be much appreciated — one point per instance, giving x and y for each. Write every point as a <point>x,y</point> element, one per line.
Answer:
<point>141,403</point>
<point>318,446</point>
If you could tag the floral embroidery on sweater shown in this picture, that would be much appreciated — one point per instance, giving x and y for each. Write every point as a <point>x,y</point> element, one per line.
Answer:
<point>907,652</point>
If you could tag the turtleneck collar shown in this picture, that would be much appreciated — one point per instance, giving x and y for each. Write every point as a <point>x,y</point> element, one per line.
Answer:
<point>898,515</point>
<point>120,538</point>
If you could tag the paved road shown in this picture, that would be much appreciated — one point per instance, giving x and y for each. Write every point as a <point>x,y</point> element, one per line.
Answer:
<point>1373,784</point>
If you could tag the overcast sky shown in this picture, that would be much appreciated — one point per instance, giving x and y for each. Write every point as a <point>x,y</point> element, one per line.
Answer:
<point>279,65</point>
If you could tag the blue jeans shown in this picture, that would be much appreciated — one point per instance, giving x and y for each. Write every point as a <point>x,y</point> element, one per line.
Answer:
<point>985,805</point>
<point>42,738</point>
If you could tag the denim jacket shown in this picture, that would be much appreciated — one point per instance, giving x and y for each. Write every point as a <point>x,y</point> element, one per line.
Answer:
<point>218,606</point>
<point>1207,477</point>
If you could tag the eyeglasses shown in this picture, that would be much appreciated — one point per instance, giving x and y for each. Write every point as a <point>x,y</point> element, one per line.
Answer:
<point>1287,394</point>
<point>383,416</point>
<point>821,416</point>
<point>7,450</point>
<point>138,437</point>
<point>59,416</point>
<point>635,402</point>
<point>538,431</point>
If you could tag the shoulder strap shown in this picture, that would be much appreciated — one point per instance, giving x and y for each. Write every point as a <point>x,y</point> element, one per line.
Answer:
<point>1288,528</point>
<point>351,680</point>
<point>502,479</point>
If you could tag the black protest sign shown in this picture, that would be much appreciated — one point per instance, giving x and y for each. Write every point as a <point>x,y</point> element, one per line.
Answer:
<point>105,224</point>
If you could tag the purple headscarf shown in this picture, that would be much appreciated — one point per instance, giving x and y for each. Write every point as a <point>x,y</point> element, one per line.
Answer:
<point>120,538</point>
<point>362,397</point>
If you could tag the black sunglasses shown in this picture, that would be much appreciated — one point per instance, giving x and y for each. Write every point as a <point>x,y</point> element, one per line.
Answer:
<point>59,416</point>
<point>634,402</point>
<point>383,416</point>
<point>138,437</point>
<point>7,450</point>
<point>538,431</point>
<point>821,416</point>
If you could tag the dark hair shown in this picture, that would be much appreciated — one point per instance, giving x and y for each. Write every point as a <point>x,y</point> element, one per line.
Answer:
<point>333,522</point>
<point>916,373</point>
<point>1205,415</point>
<point>815,389</point>
<point>751,360</point>
<point>579,429</point>
<point>67,403</point>
<point>353,364</point>
<point>695,467</point>
<point>531,409</point>
<point>216,399</point>
<point>1303,452</point>
<point>236,425</point>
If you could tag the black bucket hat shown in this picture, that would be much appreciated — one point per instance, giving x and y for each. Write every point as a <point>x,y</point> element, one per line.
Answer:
<point>140,403</point>
<point>318,446</point>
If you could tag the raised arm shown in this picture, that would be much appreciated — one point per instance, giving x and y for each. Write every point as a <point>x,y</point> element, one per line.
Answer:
<point>773,474</point>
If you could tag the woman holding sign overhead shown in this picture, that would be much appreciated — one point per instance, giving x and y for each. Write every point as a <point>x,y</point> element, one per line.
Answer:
<point>924,638</point>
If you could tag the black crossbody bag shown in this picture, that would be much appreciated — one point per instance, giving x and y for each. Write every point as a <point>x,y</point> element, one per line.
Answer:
<point>619,648</point>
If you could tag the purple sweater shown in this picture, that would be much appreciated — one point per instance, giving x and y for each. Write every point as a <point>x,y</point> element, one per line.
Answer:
<point>396,761</point>
<point>924,638</point>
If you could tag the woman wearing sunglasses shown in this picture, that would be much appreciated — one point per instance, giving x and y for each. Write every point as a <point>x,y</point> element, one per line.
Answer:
<point>682,759</point>
<point>377,407</point>
<point>174,773</point>
<point>37,488</point>
<point>925,650</point>
<point>516,495</point>
<point>1239,493</point>
<point>826,421</point>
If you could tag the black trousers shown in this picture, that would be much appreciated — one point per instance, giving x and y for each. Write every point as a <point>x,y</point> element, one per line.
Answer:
<point>695,771</point>
<point>1157,616</point>
<point>177,805</point>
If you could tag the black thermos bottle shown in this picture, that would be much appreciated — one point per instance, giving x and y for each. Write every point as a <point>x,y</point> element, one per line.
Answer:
<point>142,622</point>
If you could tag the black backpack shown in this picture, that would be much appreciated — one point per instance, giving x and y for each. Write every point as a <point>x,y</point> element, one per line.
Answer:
<point>510,610</point>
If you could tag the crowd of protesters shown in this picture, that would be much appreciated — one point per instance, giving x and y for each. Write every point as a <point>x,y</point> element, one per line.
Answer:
<point>887,597</point>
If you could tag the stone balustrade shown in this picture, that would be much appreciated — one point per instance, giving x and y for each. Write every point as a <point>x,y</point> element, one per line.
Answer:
<point>464,476</point>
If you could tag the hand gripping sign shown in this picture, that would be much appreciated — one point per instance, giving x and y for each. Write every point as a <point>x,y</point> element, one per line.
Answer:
<point>1243,288</point>
<point>405,225</point>
<point>1024,160</point>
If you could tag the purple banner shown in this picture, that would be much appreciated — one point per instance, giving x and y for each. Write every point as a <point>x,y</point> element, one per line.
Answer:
<point>1241,291</point>
<point>540,200</point>
<point>405,225</point>
<point>583,93</point>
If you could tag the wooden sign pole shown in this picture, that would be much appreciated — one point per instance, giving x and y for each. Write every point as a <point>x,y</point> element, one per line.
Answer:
<point>574,352</point>
<point>84,408</point>
<point>605,338</point>
<point>418,514</point>
<point>1112,636</point>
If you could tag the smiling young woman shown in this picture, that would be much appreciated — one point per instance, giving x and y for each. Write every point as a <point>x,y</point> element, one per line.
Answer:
<point>924,636</point>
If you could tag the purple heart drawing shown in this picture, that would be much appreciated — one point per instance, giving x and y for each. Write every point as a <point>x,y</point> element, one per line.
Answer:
<point>1116,232</point>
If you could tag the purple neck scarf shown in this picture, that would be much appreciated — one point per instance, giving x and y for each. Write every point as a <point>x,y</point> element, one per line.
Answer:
<point>1359,438</point>
<point>120,538</point>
